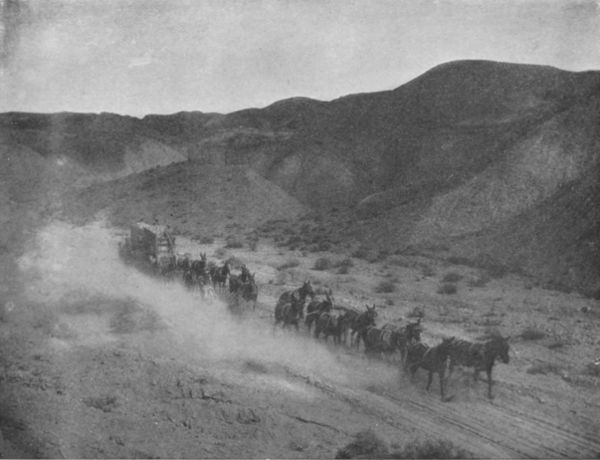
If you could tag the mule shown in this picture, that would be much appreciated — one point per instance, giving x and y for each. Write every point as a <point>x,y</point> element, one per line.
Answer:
<point>219,275</point>
<point>288,314</point>
<point>297,297</point>
<point>389,339</point>
<point>481,356</point>
<point>198,266</point>
<point>240,290</point>
<point>358,324</point>
<point>315,308</point>
<point>329,324</point>
<point>249,290</point>
<point>435,360</point>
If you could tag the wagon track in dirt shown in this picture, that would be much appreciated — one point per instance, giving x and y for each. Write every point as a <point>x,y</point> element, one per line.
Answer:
<point>492,429</point>
<point>489,428</point>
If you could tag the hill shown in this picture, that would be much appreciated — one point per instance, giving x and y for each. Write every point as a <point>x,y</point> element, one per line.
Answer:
<point>449,158</point>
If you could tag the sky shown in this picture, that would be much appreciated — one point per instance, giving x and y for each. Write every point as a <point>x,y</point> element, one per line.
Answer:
<point>163,56</point>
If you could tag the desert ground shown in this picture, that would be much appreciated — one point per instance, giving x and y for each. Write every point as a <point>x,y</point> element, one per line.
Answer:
<point>101,360</point>
<point>468,196</point>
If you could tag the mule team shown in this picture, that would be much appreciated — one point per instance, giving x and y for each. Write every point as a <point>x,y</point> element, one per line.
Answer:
<point>211,279</point>
<point>321,321</point>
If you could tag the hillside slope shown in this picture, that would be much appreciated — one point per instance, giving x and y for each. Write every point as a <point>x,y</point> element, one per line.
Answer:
<point>194,199</point>
<point>454,155</point>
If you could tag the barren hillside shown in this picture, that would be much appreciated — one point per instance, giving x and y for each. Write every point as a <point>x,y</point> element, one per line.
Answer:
<point>463,149</point>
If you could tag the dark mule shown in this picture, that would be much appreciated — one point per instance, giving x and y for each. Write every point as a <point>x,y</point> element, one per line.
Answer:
<point>329,324</point>
<point>399,339</point>
<point>234,283</point>
<point>189,279</point>
<point>166,266</point>
<point>249,290</point>
<point>219,275</point>
<point>288,314</point>
<point>243,290</point>
<point>390,339</point>
<point>245,273</point>
<point>346,320</point>
<point>199,266</point>
<point>358,323</point>
<point>481,356</point>
<point>435,360</point>
<point>315,308</point>
<point>297,297</point>
<point>183,262</point>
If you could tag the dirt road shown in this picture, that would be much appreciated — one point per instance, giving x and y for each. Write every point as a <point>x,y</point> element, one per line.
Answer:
<point>101,361</point>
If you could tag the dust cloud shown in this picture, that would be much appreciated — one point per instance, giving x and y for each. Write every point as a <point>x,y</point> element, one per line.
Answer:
<point>81,264</point>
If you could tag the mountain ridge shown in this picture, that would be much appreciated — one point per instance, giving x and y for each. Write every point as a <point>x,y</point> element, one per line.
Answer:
<point>477,143</point>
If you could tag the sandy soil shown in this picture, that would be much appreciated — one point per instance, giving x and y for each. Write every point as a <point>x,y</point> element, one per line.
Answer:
<point>99,360</point>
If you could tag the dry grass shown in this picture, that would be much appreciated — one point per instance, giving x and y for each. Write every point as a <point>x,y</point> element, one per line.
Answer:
<point>544,368</point>
<point>593,369</point>
<point>232,242</point>
<point>427,270</point>
<point>430,448</point>
<point>452,277</point>
<point>366,444</point>
<point>290,263</point>
<point>532,333</point>
<point>322,263</point>
<point>416,312</point>
<point>447,288</point>
<point>480,281</point>
<point>385,287</point>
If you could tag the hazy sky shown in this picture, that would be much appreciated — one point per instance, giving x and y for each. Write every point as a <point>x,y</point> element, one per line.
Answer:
<point>163,56</point>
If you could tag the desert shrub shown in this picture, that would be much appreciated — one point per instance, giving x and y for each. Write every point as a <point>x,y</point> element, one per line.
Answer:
<point>207,240</point>
<point>558,285</point>
<point>544,368</point>
<point>220,253</point>
<point>480,281</point>
<point>233,242</point>
<point>322,263</point>
<point>447,288</point>
<point>280,278</point>
<point>366,444</point>
<point>389,302</point>
<point>416,312</point>
<point>452,277</point>
<point>291,263</point>
<point>430,448</point>
<point>234,262</point>
<point>532,333</point>
<point>103,403</point>
<point>382,254</point>
<point>426,270</point>
<point>408,250</point>
<point>399,261</point>
<point>343,270</point>
<point>494,268</point>
<point>324,245</point>
<point>385,287</point>
<point>361,253</point>
<point>593,369</point>
<point>556,344</point>
<point>347,262</point>
<point>457,260</point>
<point>293,240</point>
<point>252,241</point>
<point>592,293</point>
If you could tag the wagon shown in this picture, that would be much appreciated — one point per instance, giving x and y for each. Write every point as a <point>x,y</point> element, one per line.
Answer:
<point>148,247</point>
